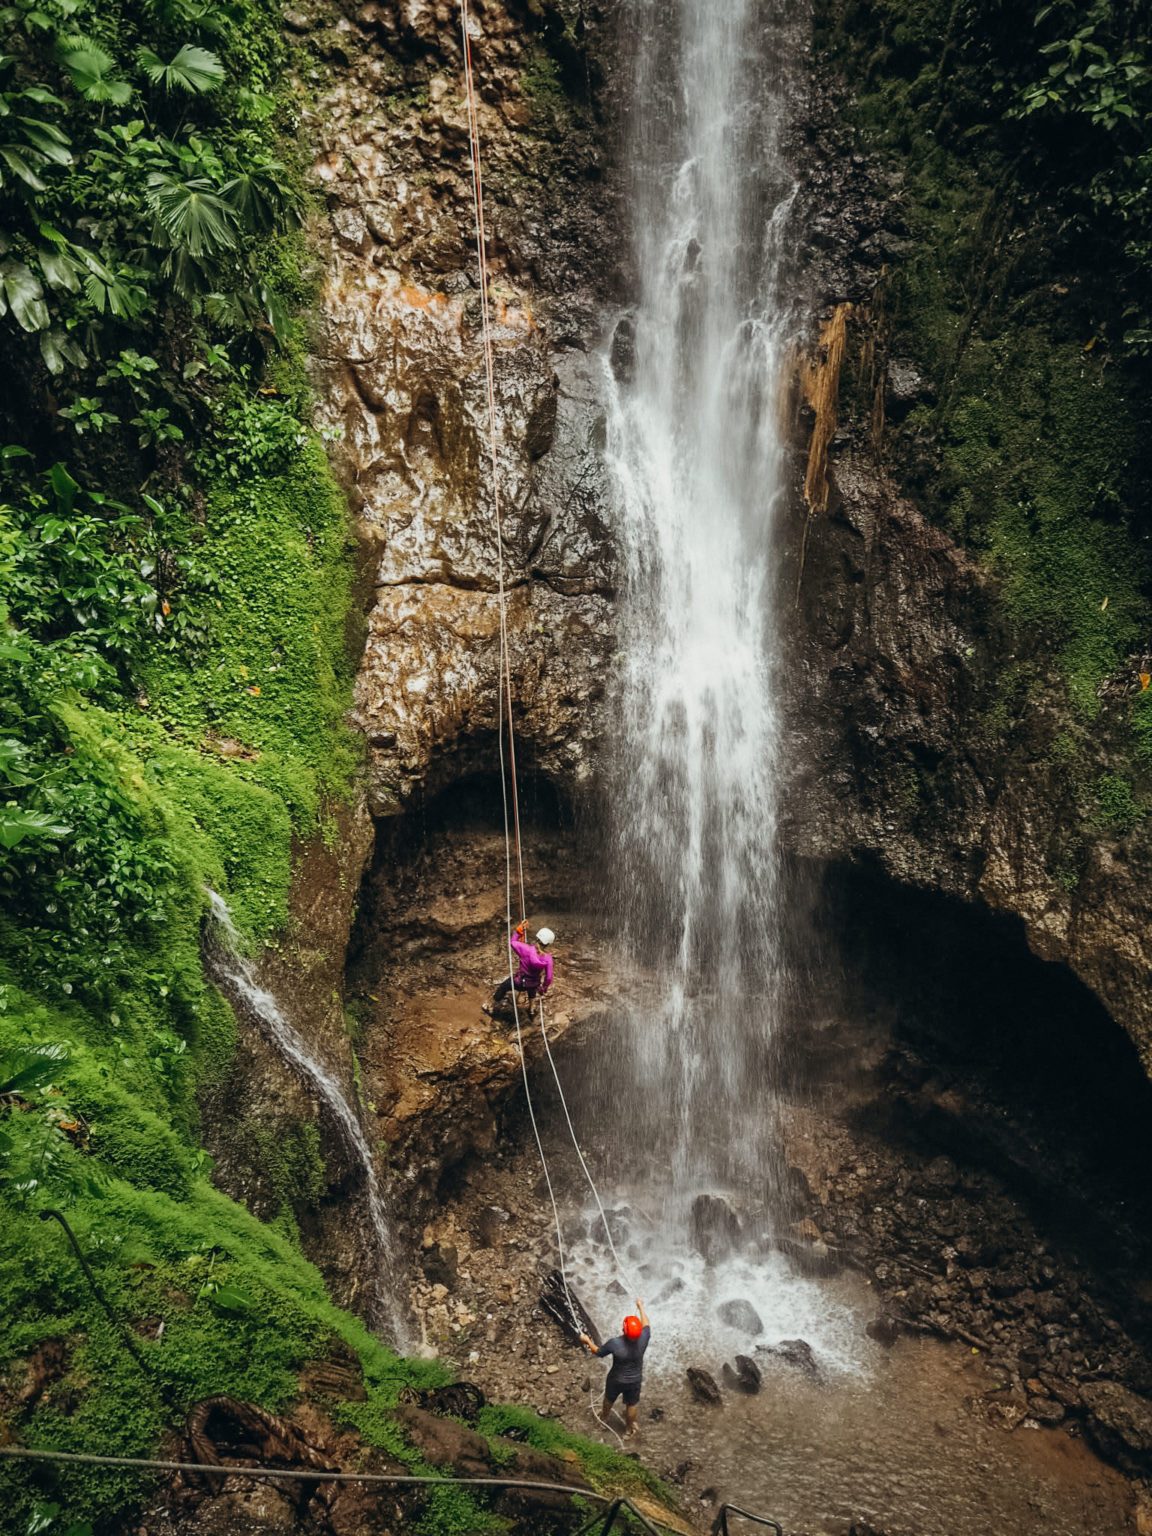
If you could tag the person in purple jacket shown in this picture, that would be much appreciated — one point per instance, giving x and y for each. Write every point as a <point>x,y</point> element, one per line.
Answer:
<point>534,976</point>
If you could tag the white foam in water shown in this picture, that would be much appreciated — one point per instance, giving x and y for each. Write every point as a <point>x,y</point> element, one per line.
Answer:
<point>236,972</point>
<point>683,1294</point>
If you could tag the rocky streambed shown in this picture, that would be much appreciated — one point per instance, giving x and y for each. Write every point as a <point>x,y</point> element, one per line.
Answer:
<point>969,1367</point>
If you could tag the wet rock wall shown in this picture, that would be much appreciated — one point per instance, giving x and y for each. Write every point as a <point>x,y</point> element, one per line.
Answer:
<point>399,372</point>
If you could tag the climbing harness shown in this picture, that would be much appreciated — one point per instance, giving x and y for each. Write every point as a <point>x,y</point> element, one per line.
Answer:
<point>514,857</point>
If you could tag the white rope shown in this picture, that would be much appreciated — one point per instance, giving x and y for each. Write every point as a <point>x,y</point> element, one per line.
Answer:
<point>620,1270</point>
<point>504,696</point>
<point>505,659</point>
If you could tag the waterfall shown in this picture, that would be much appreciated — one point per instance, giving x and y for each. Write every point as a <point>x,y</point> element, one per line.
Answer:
<point>235,975</point>
<point>695,449</point>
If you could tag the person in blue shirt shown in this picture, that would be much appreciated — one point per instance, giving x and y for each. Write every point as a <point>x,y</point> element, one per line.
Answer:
<point>627,1372</point>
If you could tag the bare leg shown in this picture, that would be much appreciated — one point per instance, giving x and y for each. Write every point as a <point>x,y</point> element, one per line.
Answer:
<point>630,1413</point>
<point>606,1411</point>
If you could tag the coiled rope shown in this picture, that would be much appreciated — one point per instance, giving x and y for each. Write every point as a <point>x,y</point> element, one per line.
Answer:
<point>513,848</point>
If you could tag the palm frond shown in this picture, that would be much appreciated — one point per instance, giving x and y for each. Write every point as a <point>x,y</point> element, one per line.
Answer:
<point>90,68</point>
<point>193,69</point>
<point>192,215</point>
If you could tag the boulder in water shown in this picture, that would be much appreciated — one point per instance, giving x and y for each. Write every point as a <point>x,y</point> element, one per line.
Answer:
<point>813,1258</point>
<point>715,1228</point>
<point>617,1225</point>
<point>797,1352</point>
<point>745,1378</point>
<point>749,1373</point>
<point>704,1388</point>
<point>742,1315</point>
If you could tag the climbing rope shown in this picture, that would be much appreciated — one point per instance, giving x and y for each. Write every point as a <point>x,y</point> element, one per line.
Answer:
<point>620,1270</point>
<point>508,785</point>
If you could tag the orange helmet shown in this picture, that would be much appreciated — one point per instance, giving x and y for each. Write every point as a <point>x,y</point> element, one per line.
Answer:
<point>632,1328</point>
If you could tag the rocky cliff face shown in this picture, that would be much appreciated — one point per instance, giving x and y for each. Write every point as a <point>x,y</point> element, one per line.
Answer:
<point>400,377</point>
<point>923,753</point>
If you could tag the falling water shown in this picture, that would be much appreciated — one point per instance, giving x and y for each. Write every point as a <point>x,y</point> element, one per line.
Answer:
<point>235,974</point>
<point>696,452</point>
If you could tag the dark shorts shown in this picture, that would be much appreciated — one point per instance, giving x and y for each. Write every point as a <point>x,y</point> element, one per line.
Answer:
<point>613,1390</point>
<point>522,987</point>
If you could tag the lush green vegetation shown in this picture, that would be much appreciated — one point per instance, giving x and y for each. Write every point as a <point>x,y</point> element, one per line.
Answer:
<point>1024,294</point>
<point>174,578</point>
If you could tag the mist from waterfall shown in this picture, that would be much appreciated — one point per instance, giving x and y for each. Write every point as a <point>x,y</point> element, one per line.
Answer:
<point>695,449</point>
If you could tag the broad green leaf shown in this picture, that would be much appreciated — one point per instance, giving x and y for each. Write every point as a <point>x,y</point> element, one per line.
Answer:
<point>41,96</point>
<point>20,291</point>
<point>91,67</point>
<point>232,1299</point>
<point>64,486</point>
<point>18,162</point>
<point>61,270</point>
<point>58,348</point>
<point>48,139</point>
<point>32,1067</point>
<point>41,1519</point>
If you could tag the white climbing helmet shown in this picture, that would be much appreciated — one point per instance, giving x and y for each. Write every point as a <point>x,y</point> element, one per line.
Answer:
<point>545,936</point>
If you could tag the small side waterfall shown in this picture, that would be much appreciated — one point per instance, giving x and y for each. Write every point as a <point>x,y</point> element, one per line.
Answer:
<point>696,450</point>
<point>235,975</point>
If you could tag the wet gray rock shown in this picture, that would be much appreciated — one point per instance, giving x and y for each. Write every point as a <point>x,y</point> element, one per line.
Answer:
<point>742,1315</point>
<point>745,1378</point>
<point>614,1224</point>
<point>622,357</point>
<point>574,1230</point>
<point>907,387</point>
<point>902,638</point>
<point>715,1229</point>
<point>400,380</point>
<point>794,1352</point>
<point>704,1388</point>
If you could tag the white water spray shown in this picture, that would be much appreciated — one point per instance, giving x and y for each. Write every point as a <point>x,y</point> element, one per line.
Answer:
<point>236,974</point>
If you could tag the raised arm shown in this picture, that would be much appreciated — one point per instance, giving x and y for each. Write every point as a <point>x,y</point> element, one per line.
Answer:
<point>645,1321</point>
